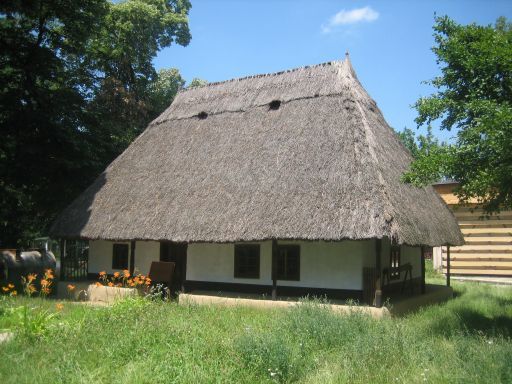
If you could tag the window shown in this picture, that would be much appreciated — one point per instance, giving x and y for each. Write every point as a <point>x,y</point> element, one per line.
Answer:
<point>120,256</point>
<point>247,261</point>
<point>394,263</point>
<point>288,262</point>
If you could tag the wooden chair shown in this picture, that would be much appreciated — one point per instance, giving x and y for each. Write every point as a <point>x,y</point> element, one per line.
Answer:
<point>161,272</point>
<point>407,268</point>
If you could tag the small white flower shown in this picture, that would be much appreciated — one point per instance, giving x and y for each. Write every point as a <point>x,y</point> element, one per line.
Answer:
<point>272,374</point>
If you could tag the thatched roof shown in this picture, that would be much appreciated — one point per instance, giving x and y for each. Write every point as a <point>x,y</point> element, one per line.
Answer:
<point>323,166</point>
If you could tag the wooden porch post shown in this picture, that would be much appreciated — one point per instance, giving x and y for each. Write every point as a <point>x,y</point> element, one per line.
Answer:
<point>132,257</point>
<point>447,265</point>
<point>422,269</point>
<point>378,267</point>
<point>62,258</point>
<point>274,269</point>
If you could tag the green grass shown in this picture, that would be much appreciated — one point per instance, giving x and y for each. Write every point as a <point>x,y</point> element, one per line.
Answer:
<point>466,340</point>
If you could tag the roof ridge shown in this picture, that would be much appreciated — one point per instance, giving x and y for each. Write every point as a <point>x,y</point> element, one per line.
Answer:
<point>268,74</point>
<point>357,95</point>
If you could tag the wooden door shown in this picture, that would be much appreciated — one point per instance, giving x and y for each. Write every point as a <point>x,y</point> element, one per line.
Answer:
<point>176,253</point>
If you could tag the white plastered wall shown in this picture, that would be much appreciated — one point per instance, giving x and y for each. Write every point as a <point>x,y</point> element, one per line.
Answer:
<point>334,265</point>
<point>100,255</point>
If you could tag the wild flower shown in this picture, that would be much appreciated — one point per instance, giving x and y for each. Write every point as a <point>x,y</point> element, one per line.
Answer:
<point>110,284</point>
<point>116,275</point>
<point>48,274</point>
<point>46,283</point>
<point>70,288</point>
<point>28,285</point>
<point>98,284</point>
<point>31,277</point>
<point>59,306</point>
<point>103,277</point>
<point>126,274</point>
<point>14,293</point>
<point>10,286</point>
<point>5,289</point>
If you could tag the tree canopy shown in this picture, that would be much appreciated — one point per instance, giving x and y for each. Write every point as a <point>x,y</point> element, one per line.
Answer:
<point>78,84</point>
<point>473,97</point>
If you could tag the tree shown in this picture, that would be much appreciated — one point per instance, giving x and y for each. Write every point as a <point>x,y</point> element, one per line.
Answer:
<point>474,96</point>
<point>127,85</point>
<point>164,89</point>
<point>42,73</point>
<point>422,145</point>
<point>196,82</point>
<point>77,86</point>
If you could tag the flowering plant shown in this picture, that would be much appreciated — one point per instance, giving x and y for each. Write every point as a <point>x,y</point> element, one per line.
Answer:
<point>124,280</point>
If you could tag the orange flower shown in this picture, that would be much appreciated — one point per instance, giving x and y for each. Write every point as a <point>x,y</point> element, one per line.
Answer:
<point>48,274</point>
<point>110,284</point>
<point>14,293</point>
<point>71,287</point>
<point>116,275</point>
<point>98,284</point>
<point>44,282</point>
<point>103,273</point>
<point>148,281</point>
<point>11,286</point>
<point>59,306</point>
<point>5,289</point>
<point>31,277</point>
<point>126,273</point>
<point>45,290</point>
<point>32,289</point>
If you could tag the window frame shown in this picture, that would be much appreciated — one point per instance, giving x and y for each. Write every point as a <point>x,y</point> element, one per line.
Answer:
<point>288,276</point>
<point>395,262</point>
<point>239,254</point>
<point>116,261</point>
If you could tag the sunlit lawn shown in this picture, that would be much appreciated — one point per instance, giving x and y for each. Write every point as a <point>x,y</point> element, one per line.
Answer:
<point>466,340</point>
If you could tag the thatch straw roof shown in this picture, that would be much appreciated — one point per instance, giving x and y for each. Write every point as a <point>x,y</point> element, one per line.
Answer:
<point>220,165</point>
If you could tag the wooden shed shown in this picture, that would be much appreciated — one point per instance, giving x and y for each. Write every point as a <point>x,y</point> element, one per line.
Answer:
<point>488,239</point>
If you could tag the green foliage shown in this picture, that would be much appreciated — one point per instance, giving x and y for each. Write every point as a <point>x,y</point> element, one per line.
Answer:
<point>475,97</point>
<point>196,82</point>
<point>78,84</point>
<point>164,88</point>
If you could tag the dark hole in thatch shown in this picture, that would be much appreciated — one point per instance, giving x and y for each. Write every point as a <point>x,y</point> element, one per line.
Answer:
<point>202,115</point>
<point>274,104</point>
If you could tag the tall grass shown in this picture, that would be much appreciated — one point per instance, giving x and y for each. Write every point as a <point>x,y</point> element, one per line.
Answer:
<point>466,340</point>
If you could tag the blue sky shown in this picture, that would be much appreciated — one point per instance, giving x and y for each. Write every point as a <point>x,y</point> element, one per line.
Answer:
<point>389,42</point>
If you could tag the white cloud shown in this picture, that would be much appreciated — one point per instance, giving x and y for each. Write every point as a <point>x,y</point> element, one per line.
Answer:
<point>353,16</point>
